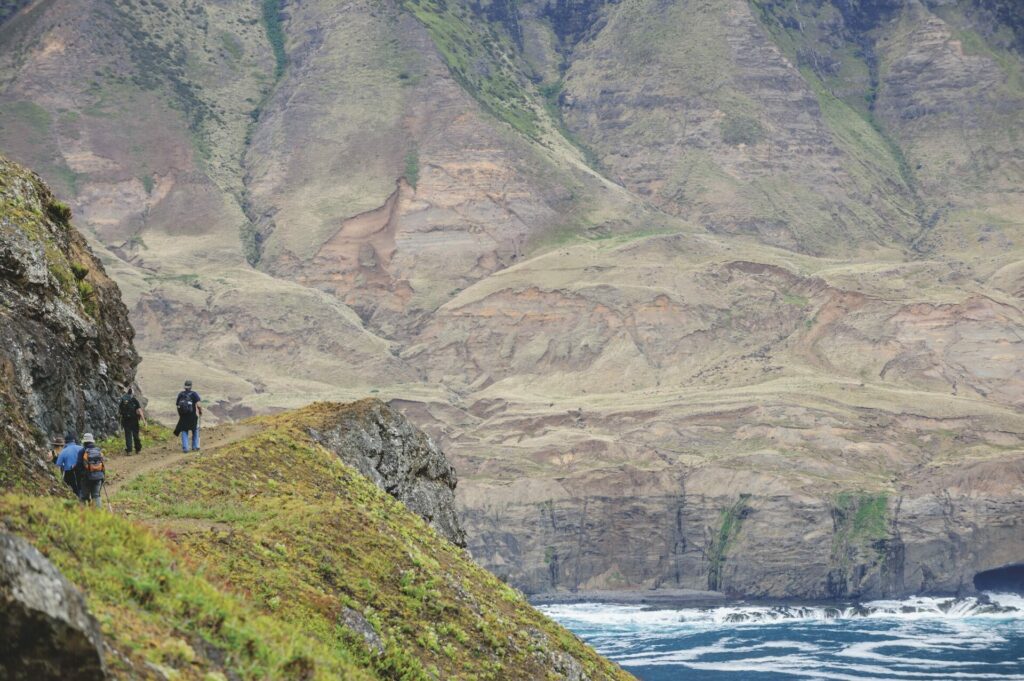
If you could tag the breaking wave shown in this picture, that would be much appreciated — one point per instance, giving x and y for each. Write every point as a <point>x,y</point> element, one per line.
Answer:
<point>913,639</point>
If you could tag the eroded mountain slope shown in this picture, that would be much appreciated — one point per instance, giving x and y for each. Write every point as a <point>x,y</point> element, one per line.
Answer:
<point>709,268</point>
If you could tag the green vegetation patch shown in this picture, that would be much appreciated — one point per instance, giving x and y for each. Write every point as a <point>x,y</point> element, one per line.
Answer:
<point>738,130</point>
<point>264,548</point>
<point>480,58</point>
<point>861,517</point>
<point>151,433</point>
<point>731,521</point>
<point>275,34</point>
<point>155,608</point>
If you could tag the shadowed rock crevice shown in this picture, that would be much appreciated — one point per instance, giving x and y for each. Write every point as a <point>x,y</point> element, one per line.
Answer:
<point>1009,578</point>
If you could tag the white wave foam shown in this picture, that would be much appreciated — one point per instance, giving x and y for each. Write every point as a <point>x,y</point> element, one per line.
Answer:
<point>655,621</point>
<point>917,639</point>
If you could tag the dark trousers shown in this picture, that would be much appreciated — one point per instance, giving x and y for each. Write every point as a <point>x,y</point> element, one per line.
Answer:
<point>91,490</point>
<point>131,433</point>
<point>71,480</point>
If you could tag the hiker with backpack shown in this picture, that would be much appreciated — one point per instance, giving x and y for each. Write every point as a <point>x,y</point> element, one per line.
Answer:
<point>93,471</point>
<point>67,461</point>
<point>130,412</point>
<point>189,412</point>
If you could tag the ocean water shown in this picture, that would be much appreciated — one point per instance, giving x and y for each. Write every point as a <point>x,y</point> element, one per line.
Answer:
<point>913,640</point>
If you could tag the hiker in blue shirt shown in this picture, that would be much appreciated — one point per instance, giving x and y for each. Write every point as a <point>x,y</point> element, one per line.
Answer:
<point>189,412</point>
<point>68,462</point>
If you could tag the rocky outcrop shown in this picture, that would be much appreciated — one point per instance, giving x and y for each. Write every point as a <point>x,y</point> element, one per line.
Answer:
<point>66,344</point>
<point>48,631</point>
<point>399,458</point>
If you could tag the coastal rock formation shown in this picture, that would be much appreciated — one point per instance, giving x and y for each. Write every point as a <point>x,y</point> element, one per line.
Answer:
<point>66,341</point>
<point>400,459</point>
<point>48,632</point>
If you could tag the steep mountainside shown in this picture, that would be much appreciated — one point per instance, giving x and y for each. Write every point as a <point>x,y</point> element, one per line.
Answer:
<point>271,558</point>
<point>717,294</point>
<point>65,342</point>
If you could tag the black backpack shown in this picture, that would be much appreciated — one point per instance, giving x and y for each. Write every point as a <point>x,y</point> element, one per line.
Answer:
<point>184,404</point>
<point>125,407</point>
<point>92,462</point>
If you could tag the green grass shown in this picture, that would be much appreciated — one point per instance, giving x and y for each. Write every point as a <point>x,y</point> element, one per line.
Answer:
<point>35,116</point>
<point>864,516</point>
<point>233,47</point>
<point>306,537</point>
<point>738,129</point>
<point>481,59</point>
<point>795,300</point>
<point>150,604</point>
<point>275,34</point>
<point>151,433</point>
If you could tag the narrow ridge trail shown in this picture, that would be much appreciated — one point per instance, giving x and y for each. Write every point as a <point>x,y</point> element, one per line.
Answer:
<point>122,469</point>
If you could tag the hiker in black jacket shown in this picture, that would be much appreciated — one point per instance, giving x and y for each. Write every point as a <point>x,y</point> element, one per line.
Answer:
<point>189,411</point>
<point>130,411</point>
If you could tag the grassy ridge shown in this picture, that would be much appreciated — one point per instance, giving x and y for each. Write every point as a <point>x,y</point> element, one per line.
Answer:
<point>261,550</point>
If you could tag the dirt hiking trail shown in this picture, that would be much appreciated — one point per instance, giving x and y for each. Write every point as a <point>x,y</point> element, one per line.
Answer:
<point>122,469</point>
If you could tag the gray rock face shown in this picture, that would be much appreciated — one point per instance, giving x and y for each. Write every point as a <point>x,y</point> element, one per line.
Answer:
<point>360,625</point>
<point>48,633</point>
<point>762,539</point>
<point>66,347</point>
<point>400,459</point>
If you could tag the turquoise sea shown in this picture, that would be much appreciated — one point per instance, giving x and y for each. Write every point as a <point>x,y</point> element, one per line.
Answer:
<point>916,639</point>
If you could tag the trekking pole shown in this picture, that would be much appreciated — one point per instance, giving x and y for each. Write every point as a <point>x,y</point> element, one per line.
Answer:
<point>110,506</point>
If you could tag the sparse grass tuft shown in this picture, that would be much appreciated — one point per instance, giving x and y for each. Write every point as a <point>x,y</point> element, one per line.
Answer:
<point>59,212</point>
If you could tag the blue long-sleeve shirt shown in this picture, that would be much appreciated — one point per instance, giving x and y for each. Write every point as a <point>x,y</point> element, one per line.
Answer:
<point>68,457</point>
